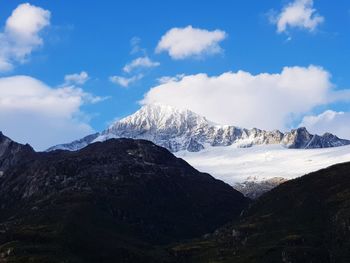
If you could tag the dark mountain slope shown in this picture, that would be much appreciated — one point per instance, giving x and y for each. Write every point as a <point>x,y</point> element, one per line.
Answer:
<point>304,220</point>
<point>115,201</point>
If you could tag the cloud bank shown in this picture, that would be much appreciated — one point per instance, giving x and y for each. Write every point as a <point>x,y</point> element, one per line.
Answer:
<point>33,112</point>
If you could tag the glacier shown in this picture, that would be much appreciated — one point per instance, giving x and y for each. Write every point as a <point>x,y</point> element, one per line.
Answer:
<point>260,163</point>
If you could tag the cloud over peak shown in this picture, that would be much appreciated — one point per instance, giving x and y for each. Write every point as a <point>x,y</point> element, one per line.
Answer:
<point>181,43</point>
<point>267,101</point>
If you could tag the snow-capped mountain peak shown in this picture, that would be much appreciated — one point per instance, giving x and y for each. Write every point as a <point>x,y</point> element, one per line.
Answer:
<point>169,127</point>
<point>161,117</point>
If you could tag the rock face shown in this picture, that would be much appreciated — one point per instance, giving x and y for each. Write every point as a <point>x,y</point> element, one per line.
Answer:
<point>114,201</point>
<point>303,220</point>
<point>179,130</point>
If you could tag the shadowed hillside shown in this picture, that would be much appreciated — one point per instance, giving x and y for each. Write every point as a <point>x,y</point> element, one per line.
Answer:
<point>304,220</point>
<point>115,201</point>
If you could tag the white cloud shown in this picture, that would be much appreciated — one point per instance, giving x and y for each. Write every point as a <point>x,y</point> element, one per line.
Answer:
<point>266,101</point>
<point>21,34</point>
<point>135,46</point>
<point>166,79</point>
<point>76,78</point>
<point>140,62</point>
<point>300,14</point>
<point>125,82</point>
<point>136,66</point>
<point>31,111</point>
<point>181,43</point>
<point>329,121</point>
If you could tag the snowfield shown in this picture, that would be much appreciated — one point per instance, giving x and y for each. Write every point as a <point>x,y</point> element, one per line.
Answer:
<point>262,162</point>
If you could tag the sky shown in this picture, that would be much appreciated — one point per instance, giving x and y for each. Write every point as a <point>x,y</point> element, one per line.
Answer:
<point>71,68</point>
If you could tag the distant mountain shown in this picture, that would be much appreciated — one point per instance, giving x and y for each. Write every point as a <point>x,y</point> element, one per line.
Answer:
<point>77,144</point>
<point>303,220</point>
<point>254,189</point>
<point>179,130</point>
<point>115,201</point>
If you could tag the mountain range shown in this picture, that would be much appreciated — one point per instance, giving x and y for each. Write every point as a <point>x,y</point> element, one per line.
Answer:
<point>179,130</point>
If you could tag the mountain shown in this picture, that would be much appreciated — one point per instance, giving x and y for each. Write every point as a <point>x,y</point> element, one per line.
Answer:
<point>179,130</point>
<point>121,200</point>
<point>303,220</point>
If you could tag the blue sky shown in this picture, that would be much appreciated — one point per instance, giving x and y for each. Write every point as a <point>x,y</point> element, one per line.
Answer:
<point>95,37</point>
